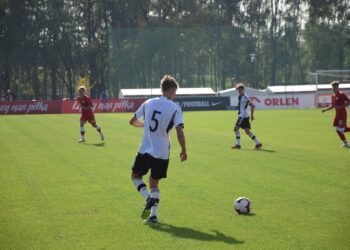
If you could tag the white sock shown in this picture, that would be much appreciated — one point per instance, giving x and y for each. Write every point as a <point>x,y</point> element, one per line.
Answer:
<point>252,136</point>
<point>238,138</point>
<point>82,131</point>
<point>98,128</point>
<point>155,193</point>
<point>141,187</point>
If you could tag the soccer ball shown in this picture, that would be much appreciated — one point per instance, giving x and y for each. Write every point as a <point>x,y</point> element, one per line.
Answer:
<point>242,205</point>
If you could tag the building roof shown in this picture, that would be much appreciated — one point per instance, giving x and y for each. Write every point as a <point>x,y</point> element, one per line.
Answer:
<point>270,90</point>
<point>248,91</point>
<point>290,88</point>
<point>157,92</point>
<point>328,86</point>
<point>303,88</point>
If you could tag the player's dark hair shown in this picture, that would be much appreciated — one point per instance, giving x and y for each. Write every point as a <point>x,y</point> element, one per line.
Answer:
<point>168,82</point>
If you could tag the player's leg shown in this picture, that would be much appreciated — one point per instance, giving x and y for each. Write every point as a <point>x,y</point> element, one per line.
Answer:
<point>140,185</point>
<point>139,169</point>
<point>346,128</point>
<point>82,130</point>
<point>158,171</point>
<point>253,137</point>
<point>340,132</point>
<point>237,134</point>
<point>154,200</point>
<point>340,128</point>
<point>93,123</point>
<point>102,136</point>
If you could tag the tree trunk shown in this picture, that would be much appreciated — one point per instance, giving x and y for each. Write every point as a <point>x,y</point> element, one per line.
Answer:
<point>35,81</point>
<point>53,81</point>
<point>273,28</point>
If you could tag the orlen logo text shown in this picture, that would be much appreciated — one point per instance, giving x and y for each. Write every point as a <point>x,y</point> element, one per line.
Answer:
<point>275,101</point>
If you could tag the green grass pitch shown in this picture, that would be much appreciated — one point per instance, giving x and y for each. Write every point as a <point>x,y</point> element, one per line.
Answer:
<point>58,194</point>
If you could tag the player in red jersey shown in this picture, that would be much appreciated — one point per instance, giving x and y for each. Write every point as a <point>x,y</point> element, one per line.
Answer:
<point>86,114</point>
<point>339,101</point>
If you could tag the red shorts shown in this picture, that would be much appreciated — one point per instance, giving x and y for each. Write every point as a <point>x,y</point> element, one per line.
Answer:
<point>88,117</point>
<point>340,122</point>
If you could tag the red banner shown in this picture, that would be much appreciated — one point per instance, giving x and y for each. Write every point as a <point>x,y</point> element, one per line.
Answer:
<point>68,106</point>
<point>105,106</point>
<point>30,107</point>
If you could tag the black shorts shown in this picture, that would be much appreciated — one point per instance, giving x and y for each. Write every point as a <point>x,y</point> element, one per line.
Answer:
<point>144,162</point>
<point>243,122</point>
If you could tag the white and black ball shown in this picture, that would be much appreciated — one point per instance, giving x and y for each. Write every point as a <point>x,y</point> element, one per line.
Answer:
<point>242,205</point>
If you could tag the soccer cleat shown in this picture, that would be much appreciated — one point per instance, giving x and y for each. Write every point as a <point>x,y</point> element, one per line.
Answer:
<point>257,146</point>
<point>102,136</point>
<point>236,146</point>
<point>152,220</point>
<point>346,145</point>
<point>147,210</point>
<point>82,140</point>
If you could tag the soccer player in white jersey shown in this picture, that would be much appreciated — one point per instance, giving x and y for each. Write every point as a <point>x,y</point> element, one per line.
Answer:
<point>243,118</point>
<point>159,115</point>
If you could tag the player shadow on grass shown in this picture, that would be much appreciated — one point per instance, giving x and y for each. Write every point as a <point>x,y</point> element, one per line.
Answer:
<point>100,144</point>
<point>265,150</point>
<point>259,150</point>
<point>189,233</point>
<point>248,215</point>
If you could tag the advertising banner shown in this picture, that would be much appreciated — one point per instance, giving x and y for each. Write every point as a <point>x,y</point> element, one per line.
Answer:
<point>203,103</point>
<point>30,107</point>
<point>280,101</point>
<point>104,106</point>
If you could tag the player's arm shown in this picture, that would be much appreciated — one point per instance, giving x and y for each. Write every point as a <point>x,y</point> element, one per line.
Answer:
<point>328,108</point>
<point>136,122</point>
<point>182,141</point>
<point>252,109</point>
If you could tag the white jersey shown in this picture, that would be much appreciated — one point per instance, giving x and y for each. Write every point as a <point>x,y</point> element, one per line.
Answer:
<point>243,103</point>
<point>160,115</point>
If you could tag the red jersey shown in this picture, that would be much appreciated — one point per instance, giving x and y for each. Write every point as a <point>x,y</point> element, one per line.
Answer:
<point>85,101</point>
<point>339,100</point>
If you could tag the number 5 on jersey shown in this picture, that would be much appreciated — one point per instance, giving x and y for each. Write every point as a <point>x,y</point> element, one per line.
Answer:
<point>156,122</point>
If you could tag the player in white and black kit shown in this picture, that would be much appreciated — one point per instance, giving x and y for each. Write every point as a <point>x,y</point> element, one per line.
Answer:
<point>159,115</point>
<point>243,118</point>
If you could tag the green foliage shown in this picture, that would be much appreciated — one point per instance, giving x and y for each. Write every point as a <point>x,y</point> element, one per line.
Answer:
<point>326,45</point>
<point>58,194</point>
<point>50,45</point>
<point>83,81</point>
